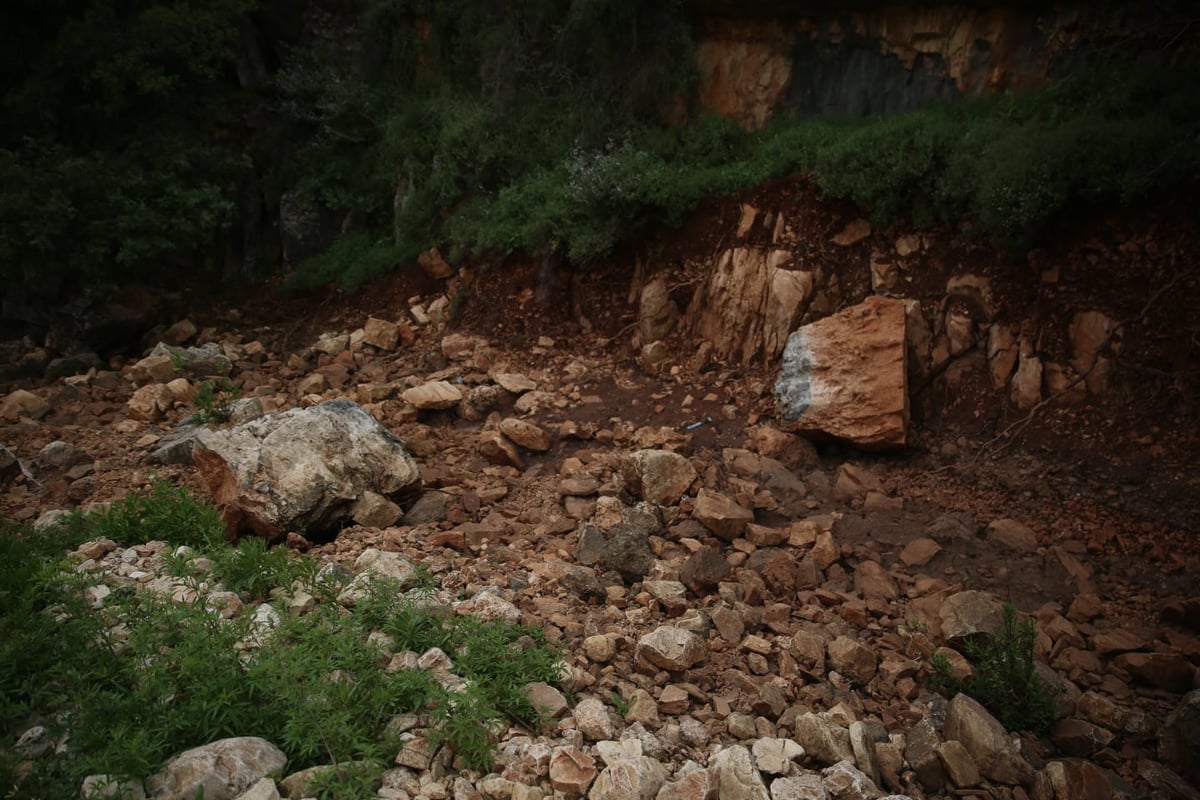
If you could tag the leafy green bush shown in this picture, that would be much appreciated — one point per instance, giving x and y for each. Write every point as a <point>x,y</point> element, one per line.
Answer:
<point>1005,679</point>
<point>214,401</point>
<point>169,513</point>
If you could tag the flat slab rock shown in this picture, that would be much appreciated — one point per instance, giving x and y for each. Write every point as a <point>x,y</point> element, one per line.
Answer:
<point>302,470</point>
<point>844,377</point>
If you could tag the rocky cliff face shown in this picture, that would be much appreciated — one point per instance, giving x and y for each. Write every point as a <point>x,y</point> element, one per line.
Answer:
<point>861,58</point>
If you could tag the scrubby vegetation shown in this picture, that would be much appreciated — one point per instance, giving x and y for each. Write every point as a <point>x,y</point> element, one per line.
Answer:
<point>1005,679</point>
<point>555,127</point>
<point>132,680</point>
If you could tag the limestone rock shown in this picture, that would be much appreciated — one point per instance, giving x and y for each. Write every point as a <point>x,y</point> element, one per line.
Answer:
<point>1092,334</point>
<point>150,403</point>
<point>1012,534</point>
<point>220,771</point>
<point>1170,671</point>
<point>301,470</point>
<point>845,782</point>
<point>658,476</point>
<point>776,756</point>
<point>657,312</point>
<point>997,756</point>
<point>629,779</point>
<point>853,233</point>
<point>1001,353</point>
<point>592,720</point>
<point>960,767</point>
<point>699,784</point>
<point>1071,779</point>
<point>432,396</point>
<point>499,449</point>
<point>381,333</point>
<point>800,787</point>
<point>823,739</point>
<point>671,648</point>
<point>1179,737</point>
<point>1027,383</point>
<point>738,779</point>
<point>514,382</point>
<point>572,770</point>
<point>971,612</point>
<point>721,515</point>
<point>434,265</point>
<point>844,376</point>
<point>794,452</point>
<point>526,434</point>
<point>373,510</point>
<point>264,789</point>
<point>703,570</point>
<point>750,303</point>
<point>852,659</point>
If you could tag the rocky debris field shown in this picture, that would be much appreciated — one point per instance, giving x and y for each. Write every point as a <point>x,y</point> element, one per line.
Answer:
<point>741,615</point>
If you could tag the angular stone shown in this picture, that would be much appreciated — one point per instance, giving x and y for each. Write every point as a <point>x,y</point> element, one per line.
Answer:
<point>153,369</point>
<point>497,448</point>
<point>526,434</point>
<point>776,756</point>
<point>1169,671</point>
<point>873,582</point>
<point>995,753</point>
<point>381,333</point>
<point>959,765</point>
<point>846,782</point>
<point>971,612</point>
<point>794,452</point>
<point>657,312</point>
<point>721,515</point>
<point>592,720</point>
<point>301,470</point>
<point>699,784</point>
<point>1078,737</point>
<point>751,301</point>
<point>853,233</point>
<point>149,403</point>
<point>1071,779</point>
<point>1013,535</point>
<point>823,739</point>
<point>514,382</point>
<point>113,787</point>
<point>844,376</point>
<point>800,787</point>
<point>433,396</point>
<point>738,779</point>
<point>434,265</point>
<point>221,770</point>
<point>373,510</point>
<point>1179,737</point>
<point>920,552</point>
<point>671,648</point>
<point>853,659</point>
<point>572,770</point>
<point>265,789</point>
<point>629,779</point>
<point>703,570</point>
<point>863,745</point>
<point>658,476</point>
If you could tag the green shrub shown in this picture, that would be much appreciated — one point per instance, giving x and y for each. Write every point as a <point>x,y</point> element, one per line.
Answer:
<point>144,677</point>
<point>169,513</point>
<point>214,401</point>
<point>1005,679</point>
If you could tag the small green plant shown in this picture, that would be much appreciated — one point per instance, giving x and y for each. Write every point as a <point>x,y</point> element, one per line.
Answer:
<point>169,513</point>
<point>1005,679</point>
<point>253,568</point>
<point>214,401</point>
<point>621,704</point>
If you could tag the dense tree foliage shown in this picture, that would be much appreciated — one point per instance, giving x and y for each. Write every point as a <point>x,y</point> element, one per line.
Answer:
<point>137,129</point>
<point>121,144</point>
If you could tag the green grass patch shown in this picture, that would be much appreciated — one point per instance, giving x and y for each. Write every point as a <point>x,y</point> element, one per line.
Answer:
<point>143,677</point>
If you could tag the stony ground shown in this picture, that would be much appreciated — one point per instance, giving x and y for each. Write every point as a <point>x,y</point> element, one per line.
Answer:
<point>814,585</point>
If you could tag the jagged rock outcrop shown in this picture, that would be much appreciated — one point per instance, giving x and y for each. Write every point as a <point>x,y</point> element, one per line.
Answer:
<point>844,376</point>
<point>301,470</point>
